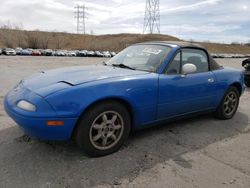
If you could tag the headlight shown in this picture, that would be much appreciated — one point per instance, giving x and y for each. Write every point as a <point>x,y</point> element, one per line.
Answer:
<point>26,105</point>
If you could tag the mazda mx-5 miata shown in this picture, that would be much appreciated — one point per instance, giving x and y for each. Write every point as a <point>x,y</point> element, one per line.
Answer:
<point>144,85</point>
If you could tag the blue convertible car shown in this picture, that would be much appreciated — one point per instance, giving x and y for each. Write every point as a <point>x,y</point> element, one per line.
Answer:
<point>145,84</point>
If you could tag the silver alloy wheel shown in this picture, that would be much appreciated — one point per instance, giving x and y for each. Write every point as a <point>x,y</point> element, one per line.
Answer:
<point>106,130</point>
<point>230,103</point>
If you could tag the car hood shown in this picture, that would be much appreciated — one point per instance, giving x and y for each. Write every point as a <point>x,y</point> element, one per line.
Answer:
<point>48,82</point>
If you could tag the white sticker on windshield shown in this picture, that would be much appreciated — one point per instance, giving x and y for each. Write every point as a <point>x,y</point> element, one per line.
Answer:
<point>152,51</point>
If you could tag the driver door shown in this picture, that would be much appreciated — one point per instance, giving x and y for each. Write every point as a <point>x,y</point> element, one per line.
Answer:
<point>181,94</point>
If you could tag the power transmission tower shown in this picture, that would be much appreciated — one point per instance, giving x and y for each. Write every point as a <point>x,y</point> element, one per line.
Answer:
<point>80,18</point>
<point>152,16</point>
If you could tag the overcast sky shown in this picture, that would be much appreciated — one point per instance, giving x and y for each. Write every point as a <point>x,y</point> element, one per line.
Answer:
<point>214,20</point>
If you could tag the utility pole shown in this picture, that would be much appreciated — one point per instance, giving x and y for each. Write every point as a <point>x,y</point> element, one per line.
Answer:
<point>152,17</point>
<point>80,15</point>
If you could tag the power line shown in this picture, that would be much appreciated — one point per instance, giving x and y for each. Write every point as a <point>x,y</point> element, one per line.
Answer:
<point>152,17</point>
<point>80,15</point>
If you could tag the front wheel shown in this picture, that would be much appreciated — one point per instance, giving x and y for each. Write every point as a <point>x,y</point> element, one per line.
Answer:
<point>229,104</point>
<point>103,128</point>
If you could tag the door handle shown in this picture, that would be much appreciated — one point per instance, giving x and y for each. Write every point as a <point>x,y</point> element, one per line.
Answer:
<point>183,75</point>
<point>210,80</point>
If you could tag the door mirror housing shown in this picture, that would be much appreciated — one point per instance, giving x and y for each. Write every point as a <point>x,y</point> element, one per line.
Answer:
<point>188,68</point>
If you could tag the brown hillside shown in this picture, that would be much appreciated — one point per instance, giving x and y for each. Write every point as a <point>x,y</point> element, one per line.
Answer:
<point>227,48</point>
<point>38,39</point>
<point>53,40</point>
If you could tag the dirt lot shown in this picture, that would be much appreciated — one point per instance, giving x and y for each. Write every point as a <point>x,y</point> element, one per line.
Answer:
<point>199,152</point>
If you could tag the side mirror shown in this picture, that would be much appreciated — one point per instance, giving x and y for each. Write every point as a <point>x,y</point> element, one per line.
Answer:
<point>188,68</point>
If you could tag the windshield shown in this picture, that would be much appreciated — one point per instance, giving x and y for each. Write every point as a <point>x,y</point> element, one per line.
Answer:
<point>141,57</point>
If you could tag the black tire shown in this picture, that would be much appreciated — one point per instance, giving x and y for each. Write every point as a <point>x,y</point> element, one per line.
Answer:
<point>247,83</point>
<point>98,121</point>
<point>223,110</point>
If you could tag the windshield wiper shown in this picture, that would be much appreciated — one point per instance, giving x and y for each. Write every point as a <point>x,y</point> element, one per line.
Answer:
<point>121,65</point>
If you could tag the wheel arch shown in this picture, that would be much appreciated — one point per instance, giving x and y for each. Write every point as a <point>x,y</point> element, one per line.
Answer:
<point>238,86</point>
<point>122,101</point>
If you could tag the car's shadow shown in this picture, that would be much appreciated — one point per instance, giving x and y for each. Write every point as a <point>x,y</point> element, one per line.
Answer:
<point>25,161</point>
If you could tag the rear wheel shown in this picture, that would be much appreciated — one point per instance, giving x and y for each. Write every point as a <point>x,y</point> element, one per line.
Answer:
<point>229,104</point>
<point>103,128</point>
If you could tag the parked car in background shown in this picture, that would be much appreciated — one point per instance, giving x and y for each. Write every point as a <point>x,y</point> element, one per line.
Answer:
<point>36,53</point>
<point>8,51</point>
<point>0,51</point>
<point>42,52</point>
<point>25,52</point>
<point>71,53</point>
<point>106,54</point>
<point>246,65</point>
<point>48,52</point>
<point>90,53</point>
<point>214,55</point>
<point>112,54</point>
<point>60,53</point>
<point>143,85</point>
<point>76,52</point>
<point>18,51</point>
<point>98,54</point>
<point>82,53</point>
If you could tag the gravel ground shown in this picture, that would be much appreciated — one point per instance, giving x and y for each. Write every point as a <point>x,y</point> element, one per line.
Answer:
<point>198,152</point>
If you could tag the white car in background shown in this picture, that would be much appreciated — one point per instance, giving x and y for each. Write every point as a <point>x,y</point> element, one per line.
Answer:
<point>71,54</point>
<point>8,51</point>
<point>60,53</point>
<point>106,54</point>
<point>112,54</point>
<point>82,53</point>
